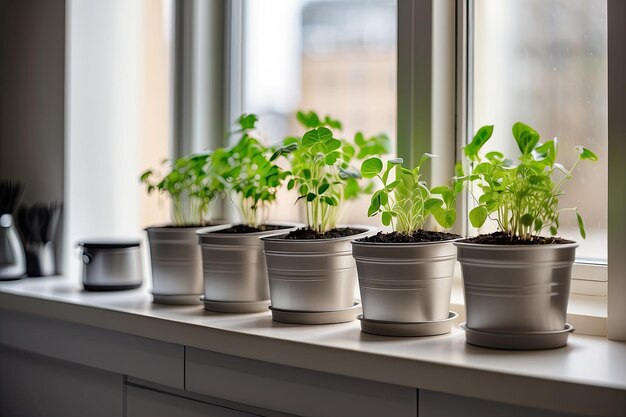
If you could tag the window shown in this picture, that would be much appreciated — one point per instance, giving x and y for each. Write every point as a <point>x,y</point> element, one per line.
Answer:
<point>334,57</point>
<point>544,62</point>
<point>453,67</point>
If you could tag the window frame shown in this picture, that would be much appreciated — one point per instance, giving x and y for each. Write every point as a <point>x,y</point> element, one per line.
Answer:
<point>616,30</point>
<point>588,278</point>
<point>431,105</point>
<point>423,27</point>
<point>605,282</point>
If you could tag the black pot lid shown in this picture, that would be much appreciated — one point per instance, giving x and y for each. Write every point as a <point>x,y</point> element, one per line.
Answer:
<point>109,244</point>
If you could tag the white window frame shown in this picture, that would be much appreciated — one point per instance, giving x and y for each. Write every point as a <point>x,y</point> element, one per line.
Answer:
<point>442,31</point>
<point>433,91</point>
<point>616,14</point>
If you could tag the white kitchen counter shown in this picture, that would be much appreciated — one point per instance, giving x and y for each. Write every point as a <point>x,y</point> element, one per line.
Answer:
<point>587,376</point>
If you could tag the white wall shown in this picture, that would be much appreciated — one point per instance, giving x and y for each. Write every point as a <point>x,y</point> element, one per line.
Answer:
<point>111,111</point>
<point>103,118</point>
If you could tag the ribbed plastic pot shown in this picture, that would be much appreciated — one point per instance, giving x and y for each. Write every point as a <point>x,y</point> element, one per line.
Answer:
<point>312,274</point>
<point>176,263</point>
<point>234,267</point>
<point>405,282</point>
<point>515,288</point>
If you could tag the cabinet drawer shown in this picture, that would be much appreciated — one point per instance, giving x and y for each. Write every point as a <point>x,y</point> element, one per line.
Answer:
<point>121,353</point>
<point>293,390</point>
<point>436,404</point>
<point>36,386</point>
<point>147,403</point>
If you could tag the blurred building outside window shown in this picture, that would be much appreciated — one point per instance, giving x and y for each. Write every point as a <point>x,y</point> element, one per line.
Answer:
<point>334,57</point>
<point>544,62</point>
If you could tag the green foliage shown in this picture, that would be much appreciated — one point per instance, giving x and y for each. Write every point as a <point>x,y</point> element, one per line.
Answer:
<point>404,201</point>
<point>244,170</point>
<point>310,120</point>
<point>321,170</point>
<point>188,186</point>
<point>522,198</point>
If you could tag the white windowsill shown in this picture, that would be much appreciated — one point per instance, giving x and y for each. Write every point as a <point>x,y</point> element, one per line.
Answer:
<point>587,371</point>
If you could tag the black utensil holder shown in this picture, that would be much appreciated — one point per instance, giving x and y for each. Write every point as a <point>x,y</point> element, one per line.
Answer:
<point>40,259</point>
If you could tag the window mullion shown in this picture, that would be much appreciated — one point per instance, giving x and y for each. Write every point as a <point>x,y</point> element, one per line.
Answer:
<point>616,14</point>
<point>426,85</point>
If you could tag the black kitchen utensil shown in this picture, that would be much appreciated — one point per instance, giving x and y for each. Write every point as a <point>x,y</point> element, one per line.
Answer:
<point>39,224</point>
<point>10,191</point>
<point>12,259</point>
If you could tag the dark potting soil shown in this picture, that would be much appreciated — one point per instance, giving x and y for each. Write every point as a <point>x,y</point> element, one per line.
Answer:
<point>500,238</point>
<point>243,228</point>
<point>417,236</point>
<point>190,226</point>
<point>307,233</point>
<point>171,226</point>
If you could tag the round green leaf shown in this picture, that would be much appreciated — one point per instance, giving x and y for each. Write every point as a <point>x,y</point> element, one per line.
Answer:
<point>371,167</point>
<point>526,137</point>
<point>478,215</point>
<point>527,219</point>
<point>331,158</point>
<point>332,144</point>
<point>440,190</point>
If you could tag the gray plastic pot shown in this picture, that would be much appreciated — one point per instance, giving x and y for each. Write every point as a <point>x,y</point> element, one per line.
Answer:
<point>405,282</point>
<point>312,275</point>
<point>234,267</point>
<point>176,264</point>
<point>516,288</point>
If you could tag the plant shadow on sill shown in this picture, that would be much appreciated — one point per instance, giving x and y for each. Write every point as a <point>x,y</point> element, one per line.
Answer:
<point>246,320</point>
<point>555,353</point>
<point>443,342</point>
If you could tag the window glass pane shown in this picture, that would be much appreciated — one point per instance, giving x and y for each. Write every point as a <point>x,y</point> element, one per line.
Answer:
<point>544,62</point>
<point>334,57</point>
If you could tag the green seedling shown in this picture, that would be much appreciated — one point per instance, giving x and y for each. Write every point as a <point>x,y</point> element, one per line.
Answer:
<point>245,172</point>
<point>523,199</point>
<point>321,170</point>
<point>404,201</point>
<point>188,187</point>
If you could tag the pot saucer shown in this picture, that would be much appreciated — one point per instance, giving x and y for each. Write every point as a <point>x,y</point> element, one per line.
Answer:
<point>404,329</point>
<point>316,317</point>
<point>178,299</point>
<point>518,341</point>
<point>235,307</point>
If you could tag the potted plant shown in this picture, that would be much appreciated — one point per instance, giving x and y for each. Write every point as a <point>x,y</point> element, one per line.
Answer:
<point>405,276</point>
<point>235,275</point>
<point>174,252</point>
<point>517,279</point>
<point>312,274</point>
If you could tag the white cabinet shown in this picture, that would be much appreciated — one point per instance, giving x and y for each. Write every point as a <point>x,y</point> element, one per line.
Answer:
<point>436,404</point>
<point>121,353</point>
<point>293,391</point>
<point>36,386</point>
